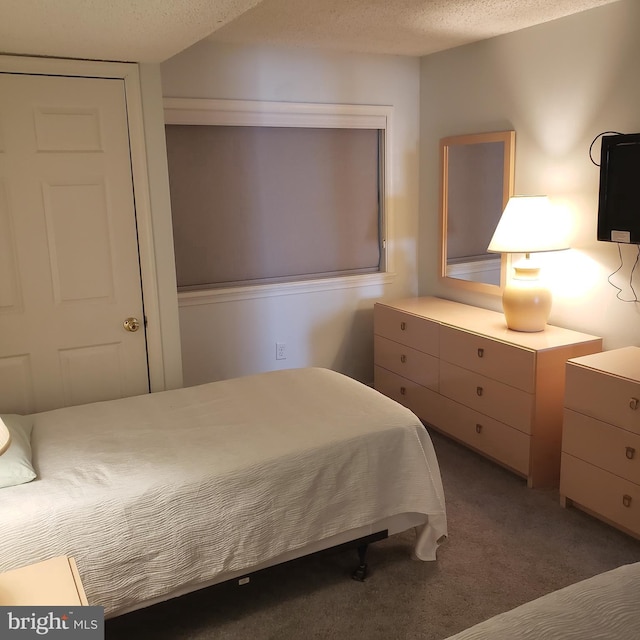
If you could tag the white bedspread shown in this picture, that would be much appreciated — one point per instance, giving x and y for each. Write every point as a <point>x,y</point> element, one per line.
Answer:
<point>605,607</point>
<point>163,490</point>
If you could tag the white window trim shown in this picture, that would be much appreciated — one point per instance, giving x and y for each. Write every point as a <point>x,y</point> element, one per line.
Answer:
<point>291,114</point>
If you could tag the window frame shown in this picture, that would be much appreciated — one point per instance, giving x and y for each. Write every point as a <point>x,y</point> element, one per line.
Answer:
<point>202,111</point>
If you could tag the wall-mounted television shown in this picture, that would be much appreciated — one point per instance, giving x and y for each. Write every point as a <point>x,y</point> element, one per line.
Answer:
<point>619,199</point>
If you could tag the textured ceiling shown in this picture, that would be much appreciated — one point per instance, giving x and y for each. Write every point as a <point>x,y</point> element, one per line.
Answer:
<point>123,30</point>
<point>154,30</point>
<point>405,27</point>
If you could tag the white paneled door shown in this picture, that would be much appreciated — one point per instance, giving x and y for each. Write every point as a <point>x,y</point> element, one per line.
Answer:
<point>69,264</point>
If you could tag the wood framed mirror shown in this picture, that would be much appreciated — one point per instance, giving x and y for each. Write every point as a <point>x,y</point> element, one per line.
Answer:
<point>477,177</point>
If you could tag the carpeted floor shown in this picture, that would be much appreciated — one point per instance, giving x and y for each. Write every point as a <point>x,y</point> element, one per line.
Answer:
<point>507,544</point>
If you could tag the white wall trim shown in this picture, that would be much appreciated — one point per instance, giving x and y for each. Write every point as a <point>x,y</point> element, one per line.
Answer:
<point>275,114</point>
<point>214,296</point>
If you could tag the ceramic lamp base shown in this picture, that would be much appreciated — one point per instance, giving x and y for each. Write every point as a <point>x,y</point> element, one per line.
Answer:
<point>525,302</point>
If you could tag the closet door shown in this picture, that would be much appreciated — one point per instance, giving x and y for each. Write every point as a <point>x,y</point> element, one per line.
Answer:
<point>69,263</point>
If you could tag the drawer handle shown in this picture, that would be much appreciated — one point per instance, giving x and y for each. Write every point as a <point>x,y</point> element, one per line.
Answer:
<point>403,391</point>
<point>626,500</point>
<point>480,352</point>
<point>633,403</point>
<point>478,428</point>
<point>630,452</point>
<point>403,326</point>
<point>403,358</point>
<point>479,390</point>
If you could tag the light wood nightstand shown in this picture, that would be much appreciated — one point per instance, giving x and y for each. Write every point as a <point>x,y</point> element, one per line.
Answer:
<point>600,470</point>
<point>52,583</point>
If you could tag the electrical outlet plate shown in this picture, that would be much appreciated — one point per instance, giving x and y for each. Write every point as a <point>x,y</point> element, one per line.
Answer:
<point>281,351</point>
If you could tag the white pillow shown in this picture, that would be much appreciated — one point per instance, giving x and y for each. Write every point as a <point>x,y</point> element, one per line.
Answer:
<point>15,462</point>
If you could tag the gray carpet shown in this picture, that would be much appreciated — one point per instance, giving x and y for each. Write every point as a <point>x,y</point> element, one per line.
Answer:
<point>507,544</point>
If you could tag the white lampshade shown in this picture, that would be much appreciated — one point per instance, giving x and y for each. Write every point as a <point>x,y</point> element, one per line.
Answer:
<point>528,225</point>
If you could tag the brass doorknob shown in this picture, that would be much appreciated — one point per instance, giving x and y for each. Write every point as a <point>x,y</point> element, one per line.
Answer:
<point>131,324</point>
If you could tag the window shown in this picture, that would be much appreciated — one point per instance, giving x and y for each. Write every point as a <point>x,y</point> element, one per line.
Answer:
<point>264,193</point>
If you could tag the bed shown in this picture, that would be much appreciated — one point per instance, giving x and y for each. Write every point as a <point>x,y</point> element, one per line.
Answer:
<point>161,494</point>
<point>604,607</point>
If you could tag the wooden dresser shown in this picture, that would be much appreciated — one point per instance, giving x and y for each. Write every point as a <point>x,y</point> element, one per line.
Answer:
<point>600,469</point>
<point>459,369</point>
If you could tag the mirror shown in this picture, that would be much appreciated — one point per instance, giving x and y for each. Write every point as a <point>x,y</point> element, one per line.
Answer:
<point>477,174</point>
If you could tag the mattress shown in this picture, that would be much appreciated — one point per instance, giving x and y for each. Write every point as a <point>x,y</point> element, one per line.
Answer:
<point>163,492</point>
<point>605,607</point>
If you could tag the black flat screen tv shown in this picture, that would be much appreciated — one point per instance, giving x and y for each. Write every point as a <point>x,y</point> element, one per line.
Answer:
<point>619,198</point>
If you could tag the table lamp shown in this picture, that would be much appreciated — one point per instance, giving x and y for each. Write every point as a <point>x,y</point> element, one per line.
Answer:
<point>528,225</point>
<point>5,437</point>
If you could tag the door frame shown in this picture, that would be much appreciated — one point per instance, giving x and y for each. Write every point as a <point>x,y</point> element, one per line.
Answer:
<point>163,355</point>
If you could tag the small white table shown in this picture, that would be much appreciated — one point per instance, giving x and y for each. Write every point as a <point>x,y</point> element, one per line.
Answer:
<point>52,583</point>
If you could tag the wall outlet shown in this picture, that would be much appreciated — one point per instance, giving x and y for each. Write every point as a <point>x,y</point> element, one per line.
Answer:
<point>281,351</point>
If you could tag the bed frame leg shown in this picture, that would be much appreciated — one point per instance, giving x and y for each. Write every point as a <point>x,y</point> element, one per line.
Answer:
<point>360,572</point>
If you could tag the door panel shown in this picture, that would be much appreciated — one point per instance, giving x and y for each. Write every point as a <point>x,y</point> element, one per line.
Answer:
<point>73,211</point>
<point>69,261</point>
<point>9,281</point>
<point>16,383</point>
<point>85,368</point>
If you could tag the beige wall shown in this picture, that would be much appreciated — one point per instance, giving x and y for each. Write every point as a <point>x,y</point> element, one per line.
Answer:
<point>331,328</point>
<point>558,85</point>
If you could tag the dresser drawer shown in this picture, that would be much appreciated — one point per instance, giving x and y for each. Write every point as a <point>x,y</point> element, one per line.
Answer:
<point>425,403</point>
<point>601,444</point>
<point>612,497</point>
<point>488,436</point>
<point>405,328</point>
<point>490,397</point>
<point>407,362</point>
<point>603,396</point>
<point>506,363</point>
